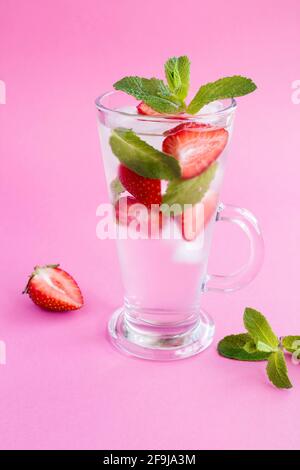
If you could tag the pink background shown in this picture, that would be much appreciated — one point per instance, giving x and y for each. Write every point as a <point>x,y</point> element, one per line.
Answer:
<point>64,386</point>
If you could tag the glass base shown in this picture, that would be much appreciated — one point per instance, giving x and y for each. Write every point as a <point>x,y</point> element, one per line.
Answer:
<point>160,342</point>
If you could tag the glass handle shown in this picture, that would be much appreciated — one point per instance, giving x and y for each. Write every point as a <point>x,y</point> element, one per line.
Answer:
<point>244,275</point>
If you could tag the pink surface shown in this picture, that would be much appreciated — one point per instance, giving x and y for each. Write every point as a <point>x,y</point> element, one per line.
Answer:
<point>64,386</point>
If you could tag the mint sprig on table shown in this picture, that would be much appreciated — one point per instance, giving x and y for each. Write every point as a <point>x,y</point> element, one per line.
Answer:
<point>170,98</point>
<point>260,344</point>
<point>116,188</point>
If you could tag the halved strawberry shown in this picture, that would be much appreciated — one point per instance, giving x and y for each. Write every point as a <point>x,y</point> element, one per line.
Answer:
<point>146,190</point>
<point>53,289</point>
<point>143,108</point>
<point>195,218</point>
<point>195,146</point>
<point>128,209</point>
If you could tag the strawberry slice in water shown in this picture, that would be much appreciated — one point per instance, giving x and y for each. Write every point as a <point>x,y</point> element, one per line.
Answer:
<point>146,190</point>
<point>195,146</point>
<point>194,219</point>
<point>122,209</point>
<point>129,210</point>
<point>52,288</point>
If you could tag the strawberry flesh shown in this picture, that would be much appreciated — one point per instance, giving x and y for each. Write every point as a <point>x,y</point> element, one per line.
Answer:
<point>143,108</point>
<point>52,288</point>
<point>195,146</point>
<point>128,209</point>
<point>146,190</point>
<point>194,219</point>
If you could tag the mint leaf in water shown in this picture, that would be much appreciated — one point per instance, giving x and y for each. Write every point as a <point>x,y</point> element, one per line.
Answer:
<point>260,330</point>
<point>177,71</point>
<point>277,370</point>
<point>153,92</point>
<point>291,343</point>
<point>188,191</point>
<point>116,188</point>
<point>140,157</point>
<point>241,347</point>
<point>228,87</point>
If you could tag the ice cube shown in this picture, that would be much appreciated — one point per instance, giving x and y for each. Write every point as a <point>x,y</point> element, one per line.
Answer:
<point>211,108</point>
<point>190,252</point>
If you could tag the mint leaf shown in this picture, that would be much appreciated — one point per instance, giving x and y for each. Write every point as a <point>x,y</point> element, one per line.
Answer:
<point>188,191</point>
<point>140,157</point>
<point>250,346</point>
<point>116,188</point>
<point>153,92</point>
<point>277,370</point>
<point>177,71</point>
<point>260,330</point>
<point>227,87</point>
<point>291,343</point>
<point>241,347</point>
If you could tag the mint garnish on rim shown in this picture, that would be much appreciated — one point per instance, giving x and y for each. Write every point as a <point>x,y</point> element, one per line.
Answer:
<point>153,92</point>
<point>169,98</point>
<point>177,71</point>
<point>228,87</point>
<point>261,343</point>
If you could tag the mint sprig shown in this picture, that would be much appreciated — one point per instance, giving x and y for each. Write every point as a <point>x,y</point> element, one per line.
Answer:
<point>241,347</point>
<point>169,98</point>
<point>228,87</point>
<point>153,92</point>
<point>261,343</point>
<point>260,330</point>
<point>277,370</point>
<point>177,71</point>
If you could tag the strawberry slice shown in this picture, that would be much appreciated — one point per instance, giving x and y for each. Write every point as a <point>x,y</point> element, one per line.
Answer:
<point>53,289</point>
<point>195,146</point>
<point>195,219</point>
<point>122,209</point>
<point>146,190</point>
<point>129,209</point>
<point>143,108</point>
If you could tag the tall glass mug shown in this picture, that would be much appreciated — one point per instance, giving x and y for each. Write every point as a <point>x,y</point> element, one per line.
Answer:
<point>164,253</point>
